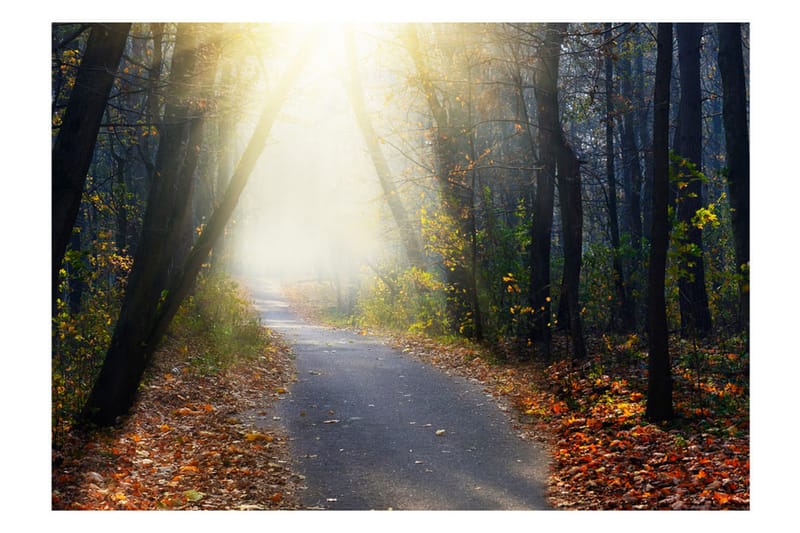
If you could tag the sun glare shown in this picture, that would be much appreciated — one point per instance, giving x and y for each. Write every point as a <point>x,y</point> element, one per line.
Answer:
<point>312,207</point>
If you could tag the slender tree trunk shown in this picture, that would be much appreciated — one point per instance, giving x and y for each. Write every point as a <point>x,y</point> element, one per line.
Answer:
<point>630,152</point>
<point>546,93</point>
<point>144,321</point>
<point>569,187</point>
<point>737,147</point>
<point>407,236</point>
<point>695,315</point>
<point>74,146</point>
<point>659,380</point>
<point>645,142</point>
<point>622,318</point>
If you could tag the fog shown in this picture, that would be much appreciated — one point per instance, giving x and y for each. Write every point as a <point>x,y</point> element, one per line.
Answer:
<point>312,207</point>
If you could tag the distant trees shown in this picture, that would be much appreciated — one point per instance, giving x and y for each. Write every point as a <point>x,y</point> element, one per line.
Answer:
<point>623,316</point>
<point>408,238</point>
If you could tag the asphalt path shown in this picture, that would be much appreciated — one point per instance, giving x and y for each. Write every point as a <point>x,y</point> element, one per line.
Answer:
<point>373,428</point>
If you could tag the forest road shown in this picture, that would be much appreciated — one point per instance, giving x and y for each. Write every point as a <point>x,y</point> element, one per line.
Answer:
<point>373,428</point>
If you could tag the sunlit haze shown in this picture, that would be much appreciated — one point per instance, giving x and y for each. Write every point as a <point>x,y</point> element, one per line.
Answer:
<point>312,206</point>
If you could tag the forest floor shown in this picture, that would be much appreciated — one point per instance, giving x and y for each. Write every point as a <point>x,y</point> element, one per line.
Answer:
<point>195,442</point>
<point>591,415</point>
<point>191,442</point>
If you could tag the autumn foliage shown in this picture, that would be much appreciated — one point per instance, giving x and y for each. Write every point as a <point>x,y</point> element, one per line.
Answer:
<point>605,455</point>
<point>199,436</point>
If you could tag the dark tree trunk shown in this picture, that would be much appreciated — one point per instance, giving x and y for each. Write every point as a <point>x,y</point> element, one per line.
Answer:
<point>659,380</point>
<point>549,134</point>
<point>737,147</point>
<point>168,201</point>
<point>569,187</point>
<point>695,315</point>
<point>74,146</point>
<point>622,318</point>
<point>145,320</point>
<point>407,236</point>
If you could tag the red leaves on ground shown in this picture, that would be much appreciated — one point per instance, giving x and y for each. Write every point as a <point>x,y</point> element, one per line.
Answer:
<point>605,454</point>
<point>191,442</point>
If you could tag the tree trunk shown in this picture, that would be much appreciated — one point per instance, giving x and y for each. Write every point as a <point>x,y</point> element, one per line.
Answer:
<point>737,147</point>
<point>631,163</point>
<point>168,201</point>
<point>645,143</point>
<point>355,91</point>
<point>622,317</point>
<point>74,146</point>
<point>146,319</point>
<point>659,380</point>
<point>695,315</point>
<point>569,187</point>
<point>549,134</point>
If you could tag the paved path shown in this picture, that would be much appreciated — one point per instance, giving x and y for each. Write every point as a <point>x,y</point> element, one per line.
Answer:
<point>372,428</point>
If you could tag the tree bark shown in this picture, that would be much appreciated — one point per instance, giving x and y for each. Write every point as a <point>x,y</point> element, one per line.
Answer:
<point>569,187</point>
<point>549,135</point>
<point>74,145</point>
<point>695,315</point>
<point>659,380</point>
<point>737,147</point>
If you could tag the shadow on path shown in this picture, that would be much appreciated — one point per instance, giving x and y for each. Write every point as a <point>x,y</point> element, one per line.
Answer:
<point>372,428</point>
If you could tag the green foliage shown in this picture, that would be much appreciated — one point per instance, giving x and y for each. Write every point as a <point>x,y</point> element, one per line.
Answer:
<point>442,237</point>
<point>597,285</point>
<point>221,324</point>
<point>722,276</point>
<point>414,300</point>
<point>81,330</point>
<point>502,247</point>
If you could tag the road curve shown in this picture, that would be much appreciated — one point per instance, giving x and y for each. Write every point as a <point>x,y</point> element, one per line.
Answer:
<point>373,428</point>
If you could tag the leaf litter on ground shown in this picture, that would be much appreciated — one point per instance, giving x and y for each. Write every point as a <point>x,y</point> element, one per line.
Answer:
<point>191,441</point>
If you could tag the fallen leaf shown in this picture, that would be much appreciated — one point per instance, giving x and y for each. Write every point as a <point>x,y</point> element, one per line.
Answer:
<point>192,495</point>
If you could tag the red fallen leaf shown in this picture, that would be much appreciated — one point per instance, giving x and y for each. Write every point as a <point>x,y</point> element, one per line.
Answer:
<point>276,497</point>
<point>721,498</point>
